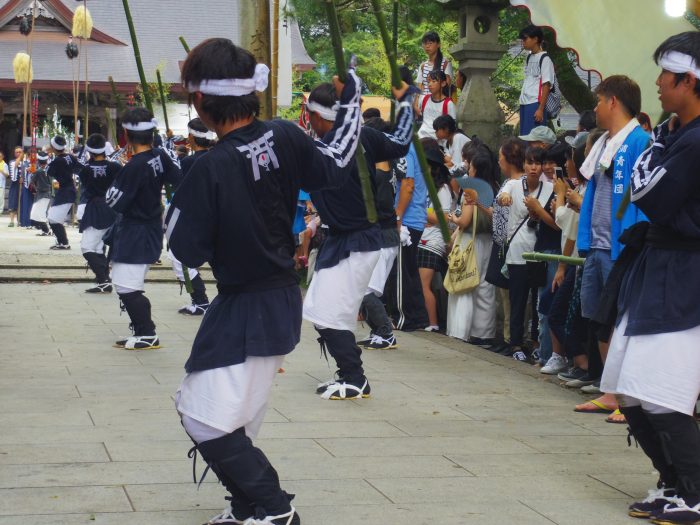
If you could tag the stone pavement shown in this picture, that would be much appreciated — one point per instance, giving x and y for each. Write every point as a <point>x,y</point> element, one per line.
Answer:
<point>452,434</point>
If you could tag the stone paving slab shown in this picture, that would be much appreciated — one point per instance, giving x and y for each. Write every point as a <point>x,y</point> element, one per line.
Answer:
<point>451,435</point>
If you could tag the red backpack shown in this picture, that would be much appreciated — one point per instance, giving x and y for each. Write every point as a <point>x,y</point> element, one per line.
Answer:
<point>445,103</point>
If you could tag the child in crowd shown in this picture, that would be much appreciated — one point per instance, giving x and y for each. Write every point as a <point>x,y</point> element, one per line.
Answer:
<point>435,62</point>
<point>434,104</point>
<point>527,198</point>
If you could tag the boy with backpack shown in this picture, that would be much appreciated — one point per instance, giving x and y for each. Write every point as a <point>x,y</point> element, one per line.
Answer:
<point>540,99</point>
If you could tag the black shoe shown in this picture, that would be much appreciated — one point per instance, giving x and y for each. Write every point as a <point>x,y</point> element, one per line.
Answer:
<point>380,343</point>
<point>367,340</point>
<point>572,373</point>
<point>193,309</point>
<point>654,502</point>
<point>341,390</point>
<point>59,246</point>
<point>100,288</point>
<point>142,342</point>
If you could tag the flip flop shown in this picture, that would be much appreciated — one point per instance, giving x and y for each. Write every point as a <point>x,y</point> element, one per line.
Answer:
<point>615,418</point>
<point>600,408</point>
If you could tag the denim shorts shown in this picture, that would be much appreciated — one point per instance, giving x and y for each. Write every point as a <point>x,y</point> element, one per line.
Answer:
<point>595,273</point>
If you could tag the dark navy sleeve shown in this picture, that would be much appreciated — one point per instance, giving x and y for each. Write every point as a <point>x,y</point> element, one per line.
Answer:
<point>393,145</point>
<point>113,169</point>
<point>172,175</point>
<point>664,180</point>
<point>191,224</point>
<point>329,162</point>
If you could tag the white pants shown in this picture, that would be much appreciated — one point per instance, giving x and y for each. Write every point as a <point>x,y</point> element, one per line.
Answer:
<point>334,297</point>
<point>382,270</point>
<point>661,369</point>
<point>177,268</point>
<point>39,211</point>
<point>91,241</point>
<point>473,314</point>
<point>224,399</point>
<point>59,214</point>
<point>80,212</point>
<point>128,278</point>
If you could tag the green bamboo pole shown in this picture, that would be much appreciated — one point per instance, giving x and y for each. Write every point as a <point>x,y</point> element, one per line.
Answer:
<point>161,92</point>
<point>548,257</point>
<point>624,204</point>
<point>184,44</point>
<point>337,42</point>
<point>137,56</point>
<point>117,97</point>
<point>395,45</point>
<point>396,82</point>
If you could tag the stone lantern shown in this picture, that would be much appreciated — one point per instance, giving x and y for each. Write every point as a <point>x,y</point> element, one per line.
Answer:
<point>477,52</point>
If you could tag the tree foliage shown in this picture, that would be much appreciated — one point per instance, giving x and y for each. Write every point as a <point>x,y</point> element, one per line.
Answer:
<point>361,38</point>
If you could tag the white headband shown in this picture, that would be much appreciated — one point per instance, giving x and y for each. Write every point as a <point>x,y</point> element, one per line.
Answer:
<point>96,151</point>
<point>677,62</point>
<point>140,126</point>
<point>233,87</point>
<point>325,113</point>
<point>201,134</point>
<point>55,145</point>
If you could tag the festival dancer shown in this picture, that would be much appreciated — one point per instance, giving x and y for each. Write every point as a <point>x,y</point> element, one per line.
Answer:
<point>61,169</point>
<point>351,251</point>
<point>42,199</point>
<point>138,234</point>
<point>95,178</point>
<point>235,210</point>
<point>200,140</point>
<point>653,364</point>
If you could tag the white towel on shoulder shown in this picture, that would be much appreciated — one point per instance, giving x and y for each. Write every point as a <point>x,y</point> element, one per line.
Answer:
<point>589,165</point>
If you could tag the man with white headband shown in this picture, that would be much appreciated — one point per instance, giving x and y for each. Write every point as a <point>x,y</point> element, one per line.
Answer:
<point>654,361</point>
<point>61,169</point>
<point>200,140</point>
<point>351,251</point>
<point>235,209</point>
<point>138,234</point>
<point>95,178</point>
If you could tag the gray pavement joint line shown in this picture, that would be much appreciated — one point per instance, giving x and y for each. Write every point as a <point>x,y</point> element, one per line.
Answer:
<point>128,498</point>
<point>282,415</point>
<point>324,448</point>
<point>68,370</point>
<point>375,488</point>
<point>535,449</point>
<point>537,512</point>
<point>78,391</point>
<point>585,428</point>
<point>399,429</point>
<point>611,486</point>
<point>90,416</point>
<point>59,351</point>
<point>104,445</point>
<point>465,469</point>
<point>155,379</point>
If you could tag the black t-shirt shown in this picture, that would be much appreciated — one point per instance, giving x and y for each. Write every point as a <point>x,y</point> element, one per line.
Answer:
<point>548,239</point>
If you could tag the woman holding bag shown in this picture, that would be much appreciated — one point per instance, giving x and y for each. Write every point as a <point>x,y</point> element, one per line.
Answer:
<point>473,313</point>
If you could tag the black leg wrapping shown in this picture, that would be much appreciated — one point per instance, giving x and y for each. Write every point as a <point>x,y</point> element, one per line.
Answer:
<point>342,347</point>
<point>41,226</point>
<point>680,439</point>
<point>60,232</point>
<point>99,265</point>
<point>247,470</point>
<point>199,291</point>
<point>138,307</point>
<point>648,439</point>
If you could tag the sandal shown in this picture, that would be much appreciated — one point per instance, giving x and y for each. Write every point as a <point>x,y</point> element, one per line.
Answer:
<point>616,418</point>
<point>598,408</point>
